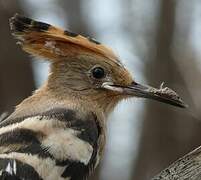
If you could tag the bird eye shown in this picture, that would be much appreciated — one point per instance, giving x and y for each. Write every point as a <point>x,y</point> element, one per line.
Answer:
<point>98,73</point>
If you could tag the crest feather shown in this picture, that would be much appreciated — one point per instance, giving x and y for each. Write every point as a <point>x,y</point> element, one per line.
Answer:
<point>51,42</point>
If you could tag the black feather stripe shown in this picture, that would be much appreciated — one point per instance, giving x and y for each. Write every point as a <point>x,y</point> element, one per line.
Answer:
<point>88,130</point>
<point>16,170</point>
<point>58,113</point>
<point>29,141</point>
<point>6,176</point>
<point>36,149</point>
<point>21,24</point>
<point>20,136</point>
<point>76,171</point>
<point>40,26</point>
<point>68,33</point>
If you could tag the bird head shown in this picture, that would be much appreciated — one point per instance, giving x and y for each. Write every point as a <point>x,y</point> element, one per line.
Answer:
<point>83,68</point>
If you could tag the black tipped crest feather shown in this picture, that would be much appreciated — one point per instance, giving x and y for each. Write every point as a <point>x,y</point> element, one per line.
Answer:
<point>68,33</point>
<point>20,24</point>
<point>34,37</point>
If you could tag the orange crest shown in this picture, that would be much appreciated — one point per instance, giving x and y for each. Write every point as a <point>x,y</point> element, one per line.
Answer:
<point>51,42</point>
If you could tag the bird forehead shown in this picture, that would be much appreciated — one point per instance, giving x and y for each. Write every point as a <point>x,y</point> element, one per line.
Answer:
<point>93,58</point>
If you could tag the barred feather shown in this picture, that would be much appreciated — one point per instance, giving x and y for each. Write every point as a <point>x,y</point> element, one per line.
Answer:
<point>53,145</point>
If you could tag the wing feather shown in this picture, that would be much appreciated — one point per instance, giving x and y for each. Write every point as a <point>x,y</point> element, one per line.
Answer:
<point>59,138</point>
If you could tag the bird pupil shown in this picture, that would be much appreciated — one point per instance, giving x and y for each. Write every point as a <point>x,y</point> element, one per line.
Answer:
<point>98,73</point>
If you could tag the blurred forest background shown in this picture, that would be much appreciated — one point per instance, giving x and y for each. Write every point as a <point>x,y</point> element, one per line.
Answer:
<point>158,40</point>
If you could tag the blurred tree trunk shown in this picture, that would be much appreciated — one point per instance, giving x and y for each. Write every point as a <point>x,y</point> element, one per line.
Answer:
<point>185,53</point>
<point>16,79</point>
<point>168,133</point>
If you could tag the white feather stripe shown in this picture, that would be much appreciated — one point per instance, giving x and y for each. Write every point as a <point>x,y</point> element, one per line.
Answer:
<point>64,144</point>
<point>9,169</point>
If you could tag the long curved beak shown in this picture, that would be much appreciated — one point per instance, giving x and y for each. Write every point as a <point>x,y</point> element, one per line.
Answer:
<point>165,95</point>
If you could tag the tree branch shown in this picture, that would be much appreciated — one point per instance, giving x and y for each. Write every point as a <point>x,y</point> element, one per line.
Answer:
<point>187,167</point>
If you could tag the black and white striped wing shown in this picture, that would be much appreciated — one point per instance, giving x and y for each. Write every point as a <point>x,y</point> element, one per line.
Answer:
<point>12,169</point>
<point>58,144</point>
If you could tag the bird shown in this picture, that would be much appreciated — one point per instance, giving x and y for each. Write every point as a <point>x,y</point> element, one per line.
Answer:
<point>59,132</point>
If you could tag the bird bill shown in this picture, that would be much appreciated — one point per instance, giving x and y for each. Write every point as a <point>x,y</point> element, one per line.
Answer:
<point>162,94</point>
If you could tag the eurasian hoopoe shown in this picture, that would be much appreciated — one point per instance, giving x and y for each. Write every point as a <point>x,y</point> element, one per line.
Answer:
<point>59,132</point>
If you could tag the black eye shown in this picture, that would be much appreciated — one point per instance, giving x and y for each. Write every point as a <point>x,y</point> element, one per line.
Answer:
<point>98,72</point>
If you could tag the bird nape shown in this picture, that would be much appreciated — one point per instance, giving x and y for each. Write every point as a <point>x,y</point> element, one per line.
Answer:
<point>59,131</point>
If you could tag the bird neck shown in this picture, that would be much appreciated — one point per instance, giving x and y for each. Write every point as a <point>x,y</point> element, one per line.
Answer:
<point>89,99</point>
<point>46,98</point>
